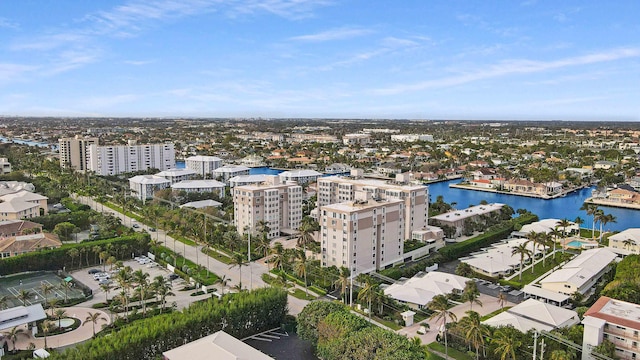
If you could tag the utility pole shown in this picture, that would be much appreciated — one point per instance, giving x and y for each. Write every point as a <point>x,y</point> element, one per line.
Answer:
<point>542,349</point>
<point>535,344</point>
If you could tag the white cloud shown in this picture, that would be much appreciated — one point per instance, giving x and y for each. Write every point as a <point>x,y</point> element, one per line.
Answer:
<point>509,67</point>
<point>8,24</point>
<point>138,62</point>
<point>333,34</point>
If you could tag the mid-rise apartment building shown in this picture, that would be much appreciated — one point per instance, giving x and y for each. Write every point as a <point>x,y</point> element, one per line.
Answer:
<point>339,189</point>
<point>74,152</point>
<point>5,166</point>
<point>616,321</point>
<point>144,186</point>
<point>277,204</point>
<point>203,165</point>
<point>118,159</point>
<point>364,234</point>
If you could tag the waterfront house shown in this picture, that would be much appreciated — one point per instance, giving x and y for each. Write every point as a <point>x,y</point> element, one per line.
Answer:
<point>418,291</point>
<point>458,219</point>
<point>625,242</point>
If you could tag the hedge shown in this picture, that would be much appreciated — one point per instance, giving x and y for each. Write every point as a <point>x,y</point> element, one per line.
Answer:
<point>493,234</point>
<point>241,315</point>
<point>57,259</point>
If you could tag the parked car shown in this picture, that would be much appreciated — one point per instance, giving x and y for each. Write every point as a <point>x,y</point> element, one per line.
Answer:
<point>152,229</point>
<point>135,226</point>
<point>93,271</point>
<point>172,276</point>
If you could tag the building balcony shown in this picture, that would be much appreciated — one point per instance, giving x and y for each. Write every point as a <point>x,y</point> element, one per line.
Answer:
<point>627,334</point>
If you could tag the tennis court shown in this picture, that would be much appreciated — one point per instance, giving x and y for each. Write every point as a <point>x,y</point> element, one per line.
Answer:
<point>11,286</point>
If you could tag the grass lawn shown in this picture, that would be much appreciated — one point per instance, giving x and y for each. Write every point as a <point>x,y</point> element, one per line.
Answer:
<point>492,314</point>
<point>456,354</point>
<point>300,294</point>
<point>216,255</point>
<point>538,269</point>
<point>120,210</point>
<point>586,233</point>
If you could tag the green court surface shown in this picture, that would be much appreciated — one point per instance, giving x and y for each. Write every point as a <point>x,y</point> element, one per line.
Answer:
<point>10,286</point>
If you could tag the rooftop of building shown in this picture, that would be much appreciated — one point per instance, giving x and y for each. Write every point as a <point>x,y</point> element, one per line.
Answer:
<point>616,312</point>
<point>468,212</point>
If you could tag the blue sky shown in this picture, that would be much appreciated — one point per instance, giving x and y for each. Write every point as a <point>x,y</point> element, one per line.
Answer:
<point>453,59</point>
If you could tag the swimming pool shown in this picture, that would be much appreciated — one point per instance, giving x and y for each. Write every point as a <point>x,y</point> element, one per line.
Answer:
<point>575,244</point>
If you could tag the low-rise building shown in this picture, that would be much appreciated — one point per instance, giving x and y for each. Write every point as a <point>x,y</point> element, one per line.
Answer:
<point>458,219</point>
<point>535,315</point>
<point>412,137</point>
<point>219,346</point>
<point>200,186</point>
<point>18,227</point>
<point>144,186</point>
<point>625,242</point>
<point>247,180</point>
<point>226,172</point>
<point>581,273</point>
<point>300,176</point>
<point>29,197</point>
<point>175,176</point>
<point>614,320</point>
<point>16,209</point>
<point>418,291</point>
<point>22,244</point>
<point>359,138</point>
<point>433,236</point>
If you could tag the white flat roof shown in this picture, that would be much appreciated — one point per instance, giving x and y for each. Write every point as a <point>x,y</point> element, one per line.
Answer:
<point>545,293</point>
<point>420,290</point>
<point>203,158</point>
<point>176,172</point>
<point>148,179</point>
<point>468,212</point>
<point>231,168</point>
<point>201,204</point>
<point>20,315</point>
<point>197,184</point>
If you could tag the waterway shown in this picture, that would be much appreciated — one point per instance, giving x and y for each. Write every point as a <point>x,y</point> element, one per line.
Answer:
<point>29,142</point>
<point>565,207</point>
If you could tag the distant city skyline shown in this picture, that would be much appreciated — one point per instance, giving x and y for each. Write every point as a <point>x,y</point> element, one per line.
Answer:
<point>414,59</point>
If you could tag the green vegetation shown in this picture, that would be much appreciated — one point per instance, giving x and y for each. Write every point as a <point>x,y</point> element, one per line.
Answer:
<point>241,315</point>
<point>494,313</point>
<point>456,354</point>
<point>626,282</point>
<point>75,255</point>
<point>185,267</point>
<point>338,334</point>
<point>411,245</point>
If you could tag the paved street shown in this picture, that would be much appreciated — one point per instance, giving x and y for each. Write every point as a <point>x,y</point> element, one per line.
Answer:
<point>251,275</point>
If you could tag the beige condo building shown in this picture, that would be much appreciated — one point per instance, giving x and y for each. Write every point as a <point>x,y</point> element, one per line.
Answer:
<point>338,189</point>
<point>278,204</point>
<point>74,152</point>
<point>363,235</point>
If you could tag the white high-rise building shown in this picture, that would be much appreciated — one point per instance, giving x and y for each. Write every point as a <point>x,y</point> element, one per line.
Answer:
<point>74,152</point>
<point>203,165</point>
<point>362,235</point>
<point>338,189</point>
<point>118,159</point>
<point>279,205</point>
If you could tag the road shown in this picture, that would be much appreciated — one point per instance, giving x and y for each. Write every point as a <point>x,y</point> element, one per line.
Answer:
<point>251,274</point>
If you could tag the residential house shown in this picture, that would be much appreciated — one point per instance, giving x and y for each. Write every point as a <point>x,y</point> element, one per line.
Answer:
<point>535,315</point>
<point>418,291</point>
<point>458,219</point>
<point>22,244</point>
<point>615,320</point>
<point>625,242</point>
<point>219,346</point>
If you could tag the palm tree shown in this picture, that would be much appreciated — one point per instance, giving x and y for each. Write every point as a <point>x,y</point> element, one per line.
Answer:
<point>65,286</point>
<point>12,335</point>
<point>46,288</point>
<point>535,240</point>
<point>545,240</point>
<point>162,290</point>
<point>141,278</point>
<point>471,294</point>
<point>52,305</point>
<point>223,281</point>
<point>306,235</point>
<point>606,219</point>
<point>239,261</point>
<point>46,326</point>
<point>93,319</point>
<point>60,313</point>
<point>4,300</point>
<point>343,281</point>
<point>628,243</point>
<point>24,295</point>
<point>300,268</point>
<point>555,235</point>
<point>367,292</point>
<point>106,288</point>
<point>523,251</point>
<point>591,209</point>
<point>440,307</point>
<point>561,355</point>
<point>263,246</point>
<point>502,299</point>
<point>564,224</point>
<point>598,217</point>
<point>73,253</point>
<point>277,255</point>
<point>507,342</point>
<point>578,221</point>
<point>124,279</point>
<point>475,330</point>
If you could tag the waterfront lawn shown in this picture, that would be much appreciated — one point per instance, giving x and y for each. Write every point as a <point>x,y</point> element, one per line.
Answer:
<point>586,233</point>
<point>538,270</point>
<point>453,353</point>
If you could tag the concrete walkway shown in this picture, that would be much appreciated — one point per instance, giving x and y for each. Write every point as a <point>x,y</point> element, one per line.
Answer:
<point>84,332</point>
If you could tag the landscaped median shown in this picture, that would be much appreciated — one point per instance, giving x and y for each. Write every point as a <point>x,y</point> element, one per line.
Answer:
<point>184,267</point>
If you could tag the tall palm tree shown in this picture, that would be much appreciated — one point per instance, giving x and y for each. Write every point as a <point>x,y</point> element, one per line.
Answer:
<point>502,299</point>
<point>106,288</point>
<point>277,256</point>
<point>367,291</point>
<point>300,268</point>
<point>46,326</point>
<point>471,294</point>
<point>556,235</point>
<point>93,319</point>
<point>545,240</point>
<point>598,216</point>
<point>591,209</point>
<point>162,289</point>
<point>65,286</point>
<point>239,261</point>
<point>141,279</point>
<point>440,307</point>
<point>475,330</point>
<point>564,224</point>
<point>46,289</point>
<point>606,219</point>
<point>561,355</point>
<point>535,240</point>
<point>578,221</point>
<point>507,342</point>
<point>343,281</point>
<point>628,243</point>
<point>24,296</point>
<point>60,313</point>
<point>13,334</point>
<point>124,280</point>
<point>523,251</point>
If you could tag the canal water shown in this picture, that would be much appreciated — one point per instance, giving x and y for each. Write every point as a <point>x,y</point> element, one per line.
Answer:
<point>565,207</point>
